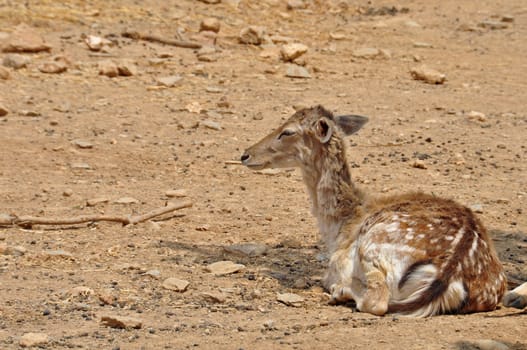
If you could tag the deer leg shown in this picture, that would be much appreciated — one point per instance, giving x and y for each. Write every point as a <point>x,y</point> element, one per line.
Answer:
<point>376,296</point>
<point>517,297</point>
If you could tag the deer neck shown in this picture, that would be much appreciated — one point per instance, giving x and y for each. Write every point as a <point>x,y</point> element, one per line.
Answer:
<point>335,199</point>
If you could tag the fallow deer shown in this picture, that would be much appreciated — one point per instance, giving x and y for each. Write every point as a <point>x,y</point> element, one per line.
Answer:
<point>412,254</point>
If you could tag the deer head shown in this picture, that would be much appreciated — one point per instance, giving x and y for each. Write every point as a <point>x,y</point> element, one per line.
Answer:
<point>300,138</point>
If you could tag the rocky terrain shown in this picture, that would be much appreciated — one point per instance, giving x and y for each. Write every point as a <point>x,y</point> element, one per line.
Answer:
<point>120,108</point>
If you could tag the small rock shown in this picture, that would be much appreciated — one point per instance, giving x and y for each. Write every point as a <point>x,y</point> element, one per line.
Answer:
<point>419,164</point>
<point>169,81</point>
<point>82,144</point>
<point>33,339</point>
<point>25,39</point>
<point>220,268</point>
<point>412,24</point>
<point>489,344</point>
<point>296,5</point>
<point>269,325</point>
<point>94,201</point>
<point>80,166</point>
<point>176,284</point>
<point>12,250</point>
<point>211,23</point>
<point>153,273</point>
<point>80,292</point>
<point>366,52</point>
<point>107,297</point>
<point>214,90</point>
<point>4,73</point>
<point>194,107</point>
<point>211,1</point>
<point>428,75</point>
<point>211,124</point>
<point>247,249</point>
<point>67,192</point>
<point>126,68</point>
<point>457,159</point>
<point>252,35</point>
<point>3,110</point>
<point>493,25</point>
<point>212,297</point>
<point>126,200</point>
<point>108,68</point>
<point>290,52</point>
<point>422,45</point>
<point>176,193</point>
<point>203,227</point>
<point>301,283</point>
<point>337,35</point>
<point>96,43</point>
<point>296,71</point>
<point>27,113</point>
<point>58,253</point>
<point>53,67</point>
<point>290,299</point>
<point>16,61</point>
<point>477,116</point>
<point>477,208</point>
<point>208,53</point>
<point>507,18</point>
<point>121,322</point>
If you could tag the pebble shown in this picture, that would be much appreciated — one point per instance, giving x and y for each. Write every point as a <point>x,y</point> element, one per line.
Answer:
<point>227,267</point>
<point>252,35</point>
<point>176,193</point>
<point>3,110</point>
<point>457,159</point>
<point>27,113</point>
<point>296,4</point>
<point>366,52</point>
<point>176,284</point>
<point>82,144</point>
<point>58,253</point>
<point>211,1</point>
<point>247,249</point>
<point>96,43</point>
<point>489,344</point>
<point>126,200</point>
<point>213,297</point>
<point>80,166</point>
<point>80,291</point>
<point>208,54</point>
<point>477,116</point>
<point>477,208</point>
<point>94,201</point>
<point>194,107</point>
<point>296,71</point>
<point>211,124</point>
<point>428,75</point>
<point>419,164</point>
<point>493,25</point>
<point>4,73</point>
<point>126,68</point>
<point>290,299</point>
<point>16,61</point>
<point>422,45</point>
<point>107,297</point>
<point>169,81</point>
<point>507,18</point>
<point>53,67</point>
<point>212,24</point>
<point>33,339</point>
<point>25,39</point>
<point>108,68</point>
<point>153,273</point>
<point>290,52</point>
<point>12,250</point>
<point>121,322</point>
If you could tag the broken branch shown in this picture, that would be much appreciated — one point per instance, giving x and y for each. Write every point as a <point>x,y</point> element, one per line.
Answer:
<point>155,38</point>
<point>28,221</point>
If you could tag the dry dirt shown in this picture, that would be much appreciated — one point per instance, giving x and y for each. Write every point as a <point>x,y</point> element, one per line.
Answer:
<point>147,140</point>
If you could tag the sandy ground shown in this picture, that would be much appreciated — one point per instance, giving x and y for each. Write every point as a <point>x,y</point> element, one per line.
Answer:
<point>144,139</point>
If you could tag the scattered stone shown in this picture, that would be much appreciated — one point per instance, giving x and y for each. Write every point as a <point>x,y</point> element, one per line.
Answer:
<point>213,297</point>
<point>337,35</point>
<point>493,25</point>
<point>428,75</point>
<point>96,43</point>
<point>296,71</point>
<point>16,61</point>
<point>3,110</point>
<point>211,24</point>
<point>176,284</point>
<point>203,227</point>
<point>108,68</point>
<point>12,250</point>
<point>94,201</point>
<point>153,273</point>
<point>26,113</point>
<point>80,292</point>
<point>4,73</point>
<point>269,325</point>
<point>211,124</point>
<point>302,283</point>
<point>126,68</point>
<point>412,24</point>
<point>457,159</point>
<point>121,322</point>
<point>59,64</point>
<point>366,52</point>
<point>422,45</point>
<point>194,107</point>
<point>221,268</point>
<point>419,164</point>
<point>67,192</point>
<point>176,193</point>
<point>33,339</point>
<point>252,35</point>
<point>82,144</point>
<point>126,200</point>
<point>489,344</point>
<point>214,90</point>
<point>211,1</point>
<point>208,53</point>
<point>477,208</point>
<point>25,39</point>
<point>169,81</point>
<point>290,52</point>
<point>507,18</point>
<point>247,249</point>
<point>290,299</point>
<point>291,242</point>
<point>296,5</point>
<point>58,253</point>
<point>477,116</point>
<point>107,297</point>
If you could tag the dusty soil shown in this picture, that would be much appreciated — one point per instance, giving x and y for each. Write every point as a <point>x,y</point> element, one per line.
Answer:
<point>147,140</point>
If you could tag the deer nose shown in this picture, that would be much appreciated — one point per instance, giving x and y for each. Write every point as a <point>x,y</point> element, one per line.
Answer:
<point>245,157</point>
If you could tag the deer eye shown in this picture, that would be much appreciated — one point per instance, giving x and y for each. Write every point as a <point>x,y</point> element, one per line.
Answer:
<point>286,132</point>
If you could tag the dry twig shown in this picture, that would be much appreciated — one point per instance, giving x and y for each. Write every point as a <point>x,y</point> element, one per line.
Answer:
<point>155,38</point>
<point>28,221</point>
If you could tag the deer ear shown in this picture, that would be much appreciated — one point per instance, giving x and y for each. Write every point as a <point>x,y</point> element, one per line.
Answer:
<point>350,124</point>
<point>323,130</point>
